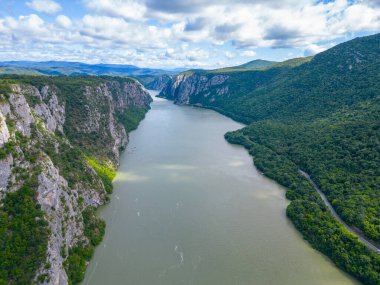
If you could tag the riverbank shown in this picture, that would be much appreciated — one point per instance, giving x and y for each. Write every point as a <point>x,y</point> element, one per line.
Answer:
<point>310,215</point>
<point>188,207</point>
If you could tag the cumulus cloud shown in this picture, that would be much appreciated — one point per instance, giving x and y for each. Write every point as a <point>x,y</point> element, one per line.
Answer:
<point>196,24</point>
<point>128,9</point>
<point>248,53</point>
<point>187,7</point>
<point>190,33</point>
<point>44,6</point>
<point>229,54</point>
<point>374,3</point>
<point>63,21</point>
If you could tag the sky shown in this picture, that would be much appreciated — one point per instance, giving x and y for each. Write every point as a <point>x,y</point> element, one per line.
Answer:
<point>179,33</point>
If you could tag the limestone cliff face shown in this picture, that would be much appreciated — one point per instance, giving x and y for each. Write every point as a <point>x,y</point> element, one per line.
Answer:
<point>194,88</point>
<point>42,122</point>
<point>159,82</point>
<point>102,103</point>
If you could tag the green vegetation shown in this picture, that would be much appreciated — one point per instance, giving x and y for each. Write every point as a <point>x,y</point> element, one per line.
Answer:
<point>106,172</point>
<point>131,117</point>
<point>94,229</point>
<point>309,214</point>
<point>257,64</point>
<point>6,149</point>
<point>23,235</point>
<point>69,159</point>
<point>321,115</point>
<point>4,90</point>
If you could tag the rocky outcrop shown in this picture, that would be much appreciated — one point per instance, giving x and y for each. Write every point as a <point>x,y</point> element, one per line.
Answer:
<point>53,196</point>
<point>4,132</point>
<point>115,97</point>
<point>50,110</point>
<point>22,113</point>
<point>186,88</point>
<point>44,134</point>
<point>5,173</point>
<point>158,83</point>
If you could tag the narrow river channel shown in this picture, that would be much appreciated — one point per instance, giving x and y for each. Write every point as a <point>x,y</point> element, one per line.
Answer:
<point>189,208</point>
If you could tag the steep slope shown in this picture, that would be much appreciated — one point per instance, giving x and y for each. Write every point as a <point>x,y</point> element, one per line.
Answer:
<point>154,82</point>
<point>320,116</point>
<point>60,139</point>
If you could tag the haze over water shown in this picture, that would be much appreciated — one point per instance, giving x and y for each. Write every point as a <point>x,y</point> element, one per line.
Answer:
<point>189,208</point>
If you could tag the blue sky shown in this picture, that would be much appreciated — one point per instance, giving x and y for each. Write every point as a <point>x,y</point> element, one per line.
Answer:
<point>170,34</point>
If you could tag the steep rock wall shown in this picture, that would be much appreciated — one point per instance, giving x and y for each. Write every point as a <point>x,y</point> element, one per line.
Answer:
<point>44,134</point>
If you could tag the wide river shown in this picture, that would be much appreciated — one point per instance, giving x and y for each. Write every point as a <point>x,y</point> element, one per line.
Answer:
<point>190,208</point>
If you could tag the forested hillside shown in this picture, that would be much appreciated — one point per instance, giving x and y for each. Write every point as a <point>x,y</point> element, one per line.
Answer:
<point>322,116</point>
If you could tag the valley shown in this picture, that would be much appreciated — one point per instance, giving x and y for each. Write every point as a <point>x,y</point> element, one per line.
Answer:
<point>266,172</point>
<point>190,208</point>
<point>320,115</point>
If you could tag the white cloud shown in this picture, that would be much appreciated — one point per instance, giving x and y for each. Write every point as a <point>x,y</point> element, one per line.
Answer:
<point>183,33</point>
<point>119,32</point>
<point>127,9</point>
<point>248,53</point>
<point>229,54</point>
<point>196,55</point>
<point>44,6</point>
<point>63,21</point>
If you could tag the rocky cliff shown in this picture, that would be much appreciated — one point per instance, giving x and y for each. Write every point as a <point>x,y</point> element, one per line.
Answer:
<point>184,88</point>
<point>158,83</point>
<point>60,140</point>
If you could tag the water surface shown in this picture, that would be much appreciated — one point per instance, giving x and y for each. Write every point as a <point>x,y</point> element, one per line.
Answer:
<point>189,208</point>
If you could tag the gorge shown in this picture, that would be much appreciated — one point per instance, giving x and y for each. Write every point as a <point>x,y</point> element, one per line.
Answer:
<point>189,208</point>
<point>188,205</point>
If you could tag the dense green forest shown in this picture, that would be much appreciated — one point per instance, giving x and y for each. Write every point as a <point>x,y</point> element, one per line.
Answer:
<point>320,115</point>
<point>23,235</point>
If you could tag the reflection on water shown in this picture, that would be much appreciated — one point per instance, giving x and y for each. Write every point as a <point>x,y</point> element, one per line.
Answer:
<point>189,208</point>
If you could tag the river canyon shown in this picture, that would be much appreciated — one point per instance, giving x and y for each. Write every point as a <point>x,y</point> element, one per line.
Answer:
<point>190,208</point>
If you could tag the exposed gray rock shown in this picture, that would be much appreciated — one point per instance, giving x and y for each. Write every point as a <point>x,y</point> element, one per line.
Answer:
<point>5,108</point>
<point>159,83</point>
<point>184,87</point>
<point>50,111</point>
<point>114,97</point>
<point>218,79</point>
<point>4,132</point>
<point>5,172</point>
<point>22,113</point>
<point>222,91</point>
<point>55,200</point>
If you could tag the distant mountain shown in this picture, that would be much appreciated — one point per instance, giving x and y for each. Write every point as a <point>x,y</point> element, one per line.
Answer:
<point>257,63</point>
<point>251,65</point>
<point>78,68</point>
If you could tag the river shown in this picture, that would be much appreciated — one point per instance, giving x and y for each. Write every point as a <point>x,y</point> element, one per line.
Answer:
<point>190,208</point>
